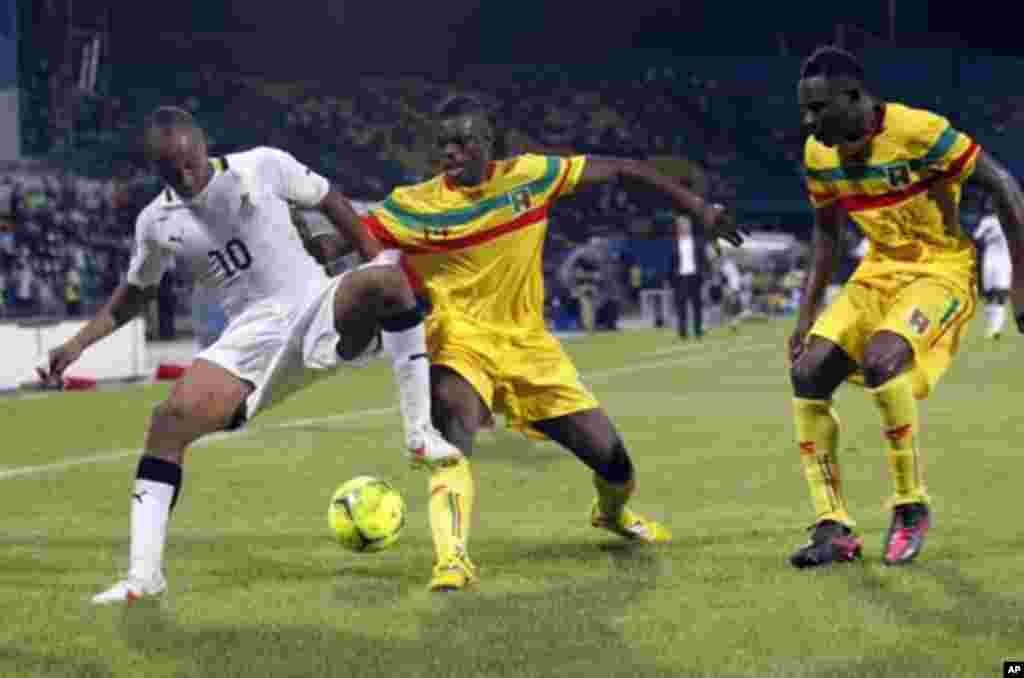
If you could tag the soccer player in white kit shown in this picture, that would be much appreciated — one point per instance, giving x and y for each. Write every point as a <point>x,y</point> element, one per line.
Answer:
<point>732,292</point>
<point>996,273</point>
<point>289,324</point>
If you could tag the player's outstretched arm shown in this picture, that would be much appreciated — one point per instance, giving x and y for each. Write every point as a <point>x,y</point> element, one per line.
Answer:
<point>327,248</point>
<point>127,302</point>
<point>990,174</point>
<point>301,186</point>
<point>828,223</point>
<point>338,210</point>
<point>718,221</point>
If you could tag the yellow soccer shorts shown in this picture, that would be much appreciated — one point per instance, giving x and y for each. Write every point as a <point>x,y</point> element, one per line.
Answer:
<point>931,313</point>
<point>527,377</point>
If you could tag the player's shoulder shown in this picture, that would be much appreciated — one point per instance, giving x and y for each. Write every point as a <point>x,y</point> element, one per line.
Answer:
<point>987,231</point>
<point>529,168</point>
<point>152,212</point>
<point>256,159</point>
<point>987,222</point>
<point>530,164</point>
<point>914,125</point>
<point>527,160</point>
<point>819,156</point>
<point>417,193</point>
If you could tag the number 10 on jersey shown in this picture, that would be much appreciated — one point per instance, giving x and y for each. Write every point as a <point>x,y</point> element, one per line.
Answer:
<point>233,258</point>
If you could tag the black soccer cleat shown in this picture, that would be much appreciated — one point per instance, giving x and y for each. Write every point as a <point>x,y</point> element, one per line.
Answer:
<point>830,542</point>
<point>910,523</point>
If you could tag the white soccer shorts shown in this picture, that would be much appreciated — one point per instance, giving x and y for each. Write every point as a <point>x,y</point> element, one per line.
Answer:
<point>281,350</point>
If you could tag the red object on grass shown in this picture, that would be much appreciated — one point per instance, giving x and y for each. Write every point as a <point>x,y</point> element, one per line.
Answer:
<point>79,383</point>
<point>169,372</point>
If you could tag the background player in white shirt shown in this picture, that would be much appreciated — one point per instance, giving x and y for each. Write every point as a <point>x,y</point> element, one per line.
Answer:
<point>996,273</point>
<point>288,322</point>
<point>732,291</point>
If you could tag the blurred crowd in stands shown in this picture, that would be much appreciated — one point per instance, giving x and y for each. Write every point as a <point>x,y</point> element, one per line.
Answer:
<point>66,221</point>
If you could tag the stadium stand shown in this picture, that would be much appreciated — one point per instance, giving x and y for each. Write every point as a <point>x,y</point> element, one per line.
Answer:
<point>725,125</point>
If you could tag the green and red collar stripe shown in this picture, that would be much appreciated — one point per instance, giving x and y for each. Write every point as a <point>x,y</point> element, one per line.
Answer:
<point>426,244</point>
<point>862,201</point>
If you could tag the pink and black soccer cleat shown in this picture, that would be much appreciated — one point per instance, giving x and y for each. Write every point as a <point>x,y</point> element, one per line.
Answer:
<point>830,542</point>
<point>910,523</point>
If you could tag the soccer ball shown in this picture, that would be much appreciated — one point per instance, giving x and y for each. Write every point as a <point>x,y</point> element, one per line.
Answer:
<point>366,514</point>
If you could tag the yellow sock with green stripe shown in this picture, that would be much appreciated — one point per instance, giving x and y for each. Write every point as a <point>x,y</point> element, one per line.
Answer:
<point>817,432</point>
<point>898,407</point>
<point>451,507</point>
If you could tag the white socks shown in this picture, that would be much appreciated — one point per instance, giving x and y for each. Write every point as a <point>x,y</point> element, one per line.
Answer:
<point>995,316</point>
<point>408,350</point>
<point>156,488</point>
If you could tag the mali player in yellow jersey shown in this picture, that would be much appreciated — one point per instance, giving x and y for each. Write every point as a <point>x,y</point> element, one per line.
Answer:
<point>898,173</point>
<point>473,239</point>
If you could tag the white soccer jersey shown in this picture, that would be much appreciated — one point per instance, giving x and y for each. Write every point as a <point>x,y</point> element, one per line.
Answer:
<point>237,236</point>
<point>996,268</point>
<point>731,274</point>
<point>990,233</point>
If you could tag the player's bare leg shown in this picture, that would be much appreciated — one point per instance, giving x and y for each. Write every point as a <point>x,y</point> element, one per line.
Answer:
<point>818,372</point>
<point>378,298</point>
<point>592,437</point>
<point>888,360</point>
<point>206,399</point>
<point>459,412</point>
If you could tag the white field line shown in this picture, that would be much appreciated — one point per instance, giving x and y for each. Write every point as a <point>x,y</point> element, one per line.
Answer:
<point>358,415</point>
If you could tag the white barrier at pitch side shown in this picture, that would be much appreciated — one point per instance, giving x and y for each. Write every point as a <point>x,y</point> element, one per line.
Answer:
<point>122,355</point>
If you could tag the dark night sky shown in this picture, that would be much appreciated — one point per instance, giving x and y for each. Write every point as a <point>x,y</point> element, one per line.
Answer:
<point>320,37</point>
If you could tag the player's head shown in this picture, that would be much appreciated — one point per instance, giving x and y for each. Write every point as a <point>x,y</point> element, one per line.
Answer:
<point>465,139</point>
<point>832,96</point>
<point>176,148</point>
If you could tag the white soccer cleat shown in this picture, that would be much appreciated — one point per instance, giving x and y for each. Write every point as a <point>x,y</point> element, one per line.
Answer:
<point>131,589</point>
<point>428,449</point>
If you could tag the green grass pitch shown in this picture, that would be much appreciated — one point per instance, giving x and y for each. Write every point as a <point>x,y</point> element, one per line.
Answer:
<point>257,587</point>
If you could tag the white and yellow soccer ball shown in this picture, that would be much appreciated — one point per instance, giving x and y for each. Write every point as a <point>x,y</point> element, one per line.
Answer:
<point>366,514</point>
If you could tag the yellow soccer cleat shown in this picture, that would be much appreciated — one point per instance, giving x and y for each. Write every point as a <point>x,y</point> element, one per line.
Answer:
<point>455,573</point>
<point>631,525</point>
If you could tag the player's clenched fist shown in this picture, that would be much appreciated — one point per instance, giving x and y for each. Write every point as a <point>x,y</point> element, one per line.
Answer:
<point>59,360</point>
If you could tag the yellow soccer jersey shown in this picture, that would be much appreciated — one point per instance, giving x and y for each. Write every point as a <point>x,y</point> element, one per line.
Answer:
<point>904,192</point>
<point>477,251</point>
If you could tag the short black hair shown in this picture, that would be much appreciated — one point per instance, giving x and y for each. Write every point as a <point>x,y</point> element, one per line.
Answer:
<point>169,117</point>
<point>462,104</point>
<point>829,61</point>
<point>467,104</point>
